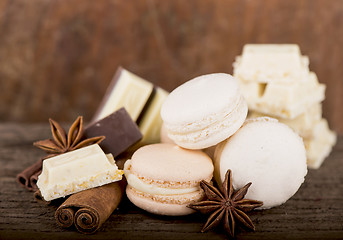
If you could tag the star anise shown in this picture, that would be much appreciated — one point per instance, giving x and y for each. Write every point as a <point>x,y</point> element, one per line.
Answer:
<point>62,142</point>
<point>227,204</point>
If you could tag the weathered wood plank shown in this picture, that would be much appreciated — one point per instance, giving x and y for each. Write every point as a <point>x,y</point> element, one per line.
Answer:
<point>315,212</point>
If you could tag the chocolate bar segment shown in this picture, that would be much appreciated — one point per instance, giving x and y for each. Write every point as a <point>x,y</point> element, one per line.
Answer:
<point>126,90</point>
<point>120,130</point>
<point>302,124</point>
<point>76,171</point>
<point>141,99</point>
<point>265,63</point>
<point>275,79</point>
<point>320,145</point>
<point>151,122</point>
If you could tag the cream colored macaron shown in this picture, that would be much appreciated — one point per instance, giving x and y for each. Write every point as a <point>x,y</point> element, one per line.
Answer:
<point>268,154</point>
<point>204,111</point>
<point>164,178</point>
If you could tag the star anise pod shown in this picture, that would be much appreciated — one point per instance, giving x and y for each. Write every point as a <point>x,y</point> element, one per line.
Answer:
<point>227,204</point>
<point>62,142</point>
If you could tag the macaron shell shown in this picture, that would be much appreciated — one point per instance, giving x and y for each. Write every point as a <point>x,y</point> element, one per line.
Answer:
<point>268,154</point>
<point>203,95</point>
<point>223,128</point>
<point>171,163</point>
<point>204,111</point>
<point>156,207</point>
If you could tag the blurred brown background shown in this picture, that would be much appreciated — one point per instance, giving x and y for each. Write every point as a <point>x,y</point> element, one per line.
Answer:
<point>58,56</point>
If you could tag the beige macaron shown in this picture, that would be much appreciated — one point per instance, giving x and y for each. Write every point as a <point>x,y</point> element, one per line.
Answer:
<point>164,178</point>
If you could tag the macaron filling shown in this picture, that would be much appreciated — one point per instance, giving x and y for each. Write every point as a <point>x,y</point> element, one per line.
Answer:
<point>178,199</point>
<point>136,183</point>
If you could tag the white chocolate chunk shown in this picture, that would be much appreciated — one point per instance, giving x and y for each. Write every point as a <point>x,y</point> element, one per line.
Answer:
<point>131,92</point>
<point>302,124</point>
<point>267,63</point>
<point>320,145</point>
<point>139,99</point>
<point>75,171</point>
<point>283,100</point>
<point>150,125</point>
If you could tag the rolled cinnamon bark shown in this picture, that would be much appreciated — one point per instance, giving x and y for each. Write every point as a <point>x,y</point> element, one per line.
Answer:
<point>24,178</point>
<point>39,198</point>
<point>89,209</point>
<point>34,179</point>
<point>65,217</point>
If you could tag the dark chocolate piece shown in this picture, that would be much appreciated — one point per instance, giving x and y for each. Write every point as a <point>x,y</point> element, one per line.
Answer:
<point>118,128</point>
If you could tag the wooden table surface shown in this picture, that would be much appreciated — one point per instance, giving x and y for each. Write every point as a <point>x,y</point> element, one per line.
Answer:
<point>315,212</point>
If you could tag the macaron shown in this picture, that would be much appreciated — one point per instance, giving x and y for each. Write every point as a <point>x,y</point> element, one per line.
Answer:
<point>164,178</point>
<point>204,111</point>
<point>267,153</point>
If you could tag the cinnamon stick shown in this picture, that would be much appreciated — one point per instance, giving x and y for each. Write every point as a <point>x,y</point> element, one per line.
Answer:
<point>24,178</point>
<point>34,179</point>
<point>89,209</point>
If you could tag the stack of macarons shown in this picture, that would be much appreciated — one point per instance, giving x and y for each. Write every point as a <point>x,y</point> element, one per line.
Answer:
<point>207,113</point>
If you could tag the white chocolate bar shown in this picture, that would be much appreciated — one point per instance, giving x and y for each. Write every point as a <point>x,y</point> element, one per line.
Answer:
<point>267,63</point>
<point>285,100</point>
<point>150,124</point>
<point>127,90</point>
<point>76,171</point>
<point>302,124</point>
<point>320,145</point>
<point>140,99</point>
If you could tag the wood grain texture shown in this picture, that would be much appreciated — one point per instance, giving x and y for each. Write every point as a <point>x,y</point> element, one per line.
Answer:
<point>314,212</point>
<point>57,57</point>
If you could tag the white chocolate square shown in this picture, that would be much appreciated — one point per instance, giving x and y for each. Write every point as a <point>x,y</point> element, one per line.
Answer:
<point>75,171</point>
<point>302,124</point>
<point>151,123</point>
<point>140,100</point>
<point>320,145</point>
<point>285,100</point>
<point>267,63</point>
<point>130,91</point>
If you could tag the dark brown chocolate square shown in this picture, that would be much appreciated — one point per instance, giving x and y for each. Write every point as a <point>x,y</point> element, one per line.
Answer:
<point>120,130</point>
